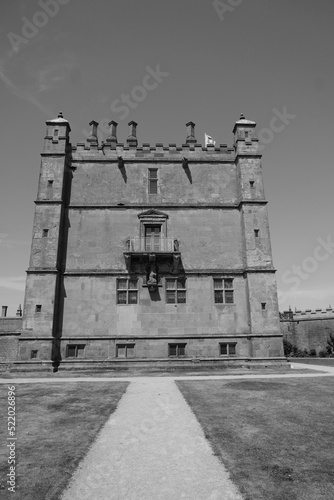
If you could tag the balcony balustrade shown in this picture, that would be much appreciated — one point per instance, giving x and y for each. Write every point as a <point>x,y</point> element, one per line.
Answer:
<point>152,245</point>
<point>154,249</point>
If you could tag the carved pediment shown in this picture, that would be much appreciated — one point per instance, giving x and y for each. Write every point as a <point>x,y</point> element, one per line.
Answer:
<point>152,213</point>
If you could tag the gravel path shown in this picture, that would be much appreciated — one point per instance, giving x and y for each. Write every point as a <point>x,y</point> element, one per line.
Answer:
<point>152,447</point>
<point>302,366</point>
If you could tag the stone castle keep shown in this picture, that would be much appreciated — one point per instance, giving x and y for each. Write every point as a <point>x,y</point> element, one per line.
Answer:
<point>150,253</point>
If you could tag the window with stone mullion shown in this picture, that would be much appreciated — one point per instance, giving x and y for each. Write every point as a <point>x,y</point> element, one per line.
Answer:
<point>223,290</point>
<point>176,290</point>
<point>127,291</point>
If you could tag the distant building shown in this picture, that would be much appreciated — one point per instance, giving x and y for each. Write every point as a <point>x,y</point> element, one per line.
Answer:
<point>145,253</point>
<point>308,330</point>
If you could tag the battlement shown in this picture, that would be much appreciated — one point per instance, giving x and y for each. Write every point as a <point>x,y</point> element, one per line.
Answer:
<point>147,148</point>
<point>187,152</point>
<point>299,315</point>
<point>57,141</point>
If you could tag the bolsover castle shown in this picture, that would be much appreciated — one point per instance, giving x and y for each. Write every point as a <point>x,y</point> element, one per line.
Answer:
<point>155,254</point>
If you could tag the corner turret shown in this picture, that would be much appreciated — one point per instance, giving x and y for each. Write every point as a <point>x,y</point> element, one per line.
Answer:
<point>57,135</point>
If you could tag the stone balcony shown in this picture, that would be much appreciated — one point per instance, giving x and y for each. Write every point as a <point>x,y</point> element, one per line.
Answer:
<point>152,249</point>
<point>155,245</point>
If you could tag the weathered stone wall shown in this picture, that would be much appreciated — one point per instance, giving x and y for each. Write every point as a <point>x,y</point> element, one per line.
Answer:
<point>10,329</point>
<point>10,324</point>
<point>264,346</point>
<point>308,329</point>
<point>154,348</point>
<point>105,183</point>
<point>44,251</point>
<point>43,348</point>
<point>40,290</point>
<point>8,348</point>
<point>91,309</point>
<point>208,238</point>
<point>262,290</point>
<point>256,236</point>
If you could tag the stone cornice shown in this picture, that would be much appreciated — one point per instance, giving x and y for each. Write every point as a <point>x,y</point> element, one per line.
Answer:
<point>154,337</point>
<point>226,206</point>
<point>247,155</point>
<point>54,153</point>
<point>188,272</point>
<point>42,270</point>
<point>48,202</point>
<point>155,159</point>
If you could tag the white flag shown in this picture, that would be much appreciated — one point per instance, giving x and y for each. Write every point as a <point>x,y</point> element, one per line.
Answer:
<point>208,140</point>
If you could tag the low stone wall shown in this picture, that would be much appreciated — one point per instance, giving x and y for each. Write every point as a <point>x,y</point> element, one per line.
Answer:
<point>308,329</point>
<point>10,324</point>
<point>8,348</point>
<point>10,330</point>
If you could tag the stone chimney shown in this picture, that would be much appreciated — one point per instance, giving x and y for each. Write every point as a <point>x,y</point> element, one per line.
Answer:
<point>112,138</point>
<point>4,311</point>
<point>93,136</point>
<point>191,139</point>
<point>132,139</point>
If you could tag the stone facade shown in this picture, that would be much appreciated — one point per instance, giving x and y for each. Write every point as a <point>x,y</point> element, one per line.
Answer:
<point>10,330</point>
<point>150,252</point>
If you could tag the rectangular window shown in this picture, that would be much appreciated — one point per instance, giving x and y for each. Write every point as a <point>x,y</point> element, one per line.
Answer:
<point>38,308</point>
<point>125,350</point>
<point>50,184</point>
<point>263,306</point>
<point>256,232</point>
<point>223,290</point>
<point>34,353</point>
<point>251,184</point>
<point>176,290</point>
<point>176,349</point>
<point>75,351</point>
<point>152,181</point>
<point>228,349</point>
<point>45,233</point>
<point>127,291</point>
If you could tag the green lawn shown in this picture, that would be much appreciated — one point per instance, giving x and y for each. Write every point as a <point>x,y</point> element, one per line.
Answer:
<point>274,436</point>
<point>56,424</point>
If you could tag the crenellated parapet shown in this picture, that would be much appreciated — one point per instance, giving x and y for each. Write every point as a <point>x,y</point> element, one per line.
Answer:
<point>313,314</point>
<point>246,143</point>
<point>156,152</point>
